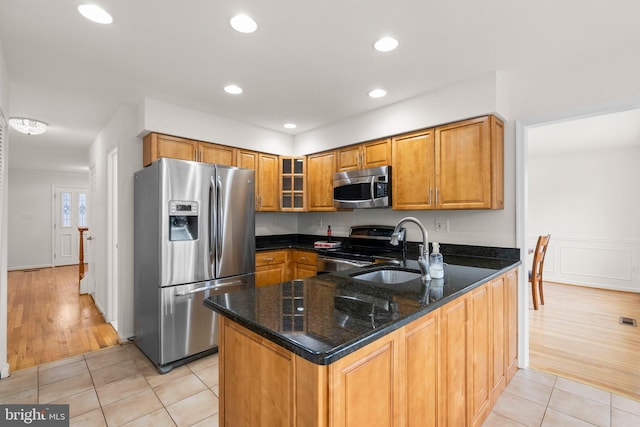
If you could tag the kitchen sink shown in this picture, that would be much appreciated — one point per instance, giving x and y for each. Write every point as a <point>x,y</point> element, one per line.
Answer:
<point>387,276</point>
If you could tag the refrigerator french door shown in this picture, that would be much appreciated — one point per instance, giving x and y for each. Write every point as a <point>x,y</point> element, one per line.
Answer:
<point>194,237</point>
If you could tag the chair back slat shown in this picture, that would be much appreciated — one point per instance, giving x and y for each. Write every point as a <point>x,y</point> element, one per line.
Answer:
<point>538,255</point>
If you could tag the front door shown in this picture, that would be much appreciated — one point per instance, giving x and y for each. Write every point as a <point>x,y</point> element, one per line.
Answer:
<point>70,212</point>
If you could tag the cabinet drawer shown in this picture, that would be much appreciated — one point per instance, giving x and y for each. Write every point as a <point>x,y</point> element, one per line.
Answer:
<point>304,257</point>
<point>270,257</point>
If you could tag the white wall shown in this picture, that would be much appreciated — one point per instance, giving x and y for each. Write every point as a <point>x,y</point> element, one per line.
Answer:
<point>30,209</point>
<point>462,100</point>
<point>119,133</point>
<point>4,110</point>
<point>590,205</point>
<point>157,116</point>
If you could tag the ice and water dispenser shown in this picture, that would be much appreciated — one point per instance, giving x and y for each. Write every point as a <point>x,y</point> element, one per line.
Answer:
<point>183,220</point>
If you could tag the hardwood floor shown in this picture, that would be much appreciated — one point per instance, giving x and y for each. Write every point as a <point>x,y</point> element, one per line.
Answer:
<point>577,335</point>
<point>49,320</point>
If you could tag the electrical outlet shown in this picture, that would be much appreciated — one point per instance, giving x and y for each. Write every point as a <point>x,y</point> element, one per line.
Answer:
<point>442,225</point>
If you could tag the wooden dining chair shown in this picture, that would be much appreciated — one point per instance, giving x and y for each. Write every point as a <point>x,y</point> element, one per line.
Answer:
<point>535,274</point>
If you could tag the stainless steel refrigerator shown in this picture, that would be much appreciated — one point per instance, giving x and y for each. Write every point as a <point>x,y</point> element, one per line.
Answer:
<point>194,237</point>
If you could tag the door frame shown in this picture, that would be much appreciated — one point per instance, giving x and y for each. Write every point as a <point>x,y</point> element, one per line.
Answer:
<point>112,238</point>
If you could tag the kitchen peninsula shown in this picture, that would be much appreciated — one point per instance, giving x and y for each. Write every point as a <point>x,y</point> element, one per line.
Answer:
<point>336,350</point>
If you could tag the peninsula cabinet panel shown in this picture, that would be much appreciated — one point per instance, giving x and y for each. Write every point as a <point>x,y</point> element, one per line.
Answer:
<point>419,390</point>
<point>479,382</point>
<point>216,154</point>
<point>156,145</point>
<point>413,171</point>
<point>469,166</point>
<point>254,394</point>
<point>364,386</point>
<point>320,170</point>
<point>454,368</point>
<point>511,283</point>
<point>499,346</point>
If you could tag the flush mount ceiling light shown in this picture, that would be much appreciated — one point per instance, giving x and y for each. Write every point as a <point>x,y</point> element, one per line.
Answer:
<point>233,89</point>
<point>243,24</point>
<point>290,125</point>
<point>95,13</point>
<point>386,44</point>
<point>28,126</point>
<point>377,93</point>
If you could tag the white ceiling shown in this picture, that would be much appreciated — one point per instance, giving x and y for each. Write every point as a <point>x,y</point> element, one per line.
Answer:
<point>602,132</point>
<point>311,63</point>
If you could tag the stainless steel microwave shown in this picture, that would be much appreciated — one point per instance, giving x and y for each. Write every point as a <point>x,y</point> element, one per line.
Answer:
<point>364,188</point>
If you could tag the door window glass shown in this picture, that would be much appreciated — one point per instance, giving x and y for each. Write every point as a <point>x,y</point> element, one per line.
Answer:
<point>66,209</point>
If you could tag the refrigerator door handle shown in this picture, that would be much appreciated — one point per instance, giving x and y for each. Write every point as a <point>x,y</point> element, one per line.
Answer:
<point>220,219</point>
<point>212,227</point>
<point>212,287</point>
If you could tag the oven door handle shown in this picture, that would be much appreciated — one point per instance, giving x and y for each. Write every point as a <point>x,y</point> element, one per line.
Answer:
<point>345,261</point>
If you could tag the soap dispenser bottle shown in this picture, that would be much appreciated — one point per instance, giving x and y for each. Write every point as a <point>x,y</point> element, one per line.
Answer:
<point>436,263</point>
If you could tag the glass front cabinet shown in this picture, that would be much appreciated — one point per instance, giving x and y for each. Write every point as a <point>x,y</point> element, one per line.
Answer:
<point>292,183</point>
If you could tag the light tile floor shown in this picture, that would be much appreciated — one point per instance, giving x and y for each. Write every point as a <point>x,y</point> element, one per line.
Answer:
<point>118,386</point>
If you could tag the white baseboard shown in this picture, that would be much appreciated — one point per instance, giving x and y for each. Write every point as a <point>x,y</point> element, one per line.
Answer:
<point>28,267</point>
<point>4,371</point>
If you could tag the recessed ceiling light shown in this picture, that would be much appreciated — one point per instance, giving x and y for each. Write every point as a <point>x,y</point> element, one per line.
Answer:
<point>377,93</point>
<point>290,125</point>
<point>28,126</point>
<point>243,24</point>
<point>95,13</point>
<point>386,44</point>
<point>233,89</point>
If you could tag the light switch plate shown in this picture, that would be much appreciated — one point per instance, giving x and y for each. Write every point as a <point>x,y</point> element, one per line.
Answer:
<point>442,225</point>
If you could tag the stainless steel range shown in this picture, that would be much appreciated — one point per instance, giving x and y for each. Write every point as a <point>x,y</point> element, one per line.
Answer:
<point>367,245</point>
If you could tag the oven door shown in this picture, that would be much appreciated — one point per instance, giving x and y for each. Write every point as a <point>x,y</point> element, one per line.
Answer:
<point>326,264</point>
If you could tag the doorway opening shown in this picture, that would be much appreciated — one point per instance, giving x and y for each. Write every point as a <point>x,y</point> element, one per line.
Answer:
<point>579,191</point>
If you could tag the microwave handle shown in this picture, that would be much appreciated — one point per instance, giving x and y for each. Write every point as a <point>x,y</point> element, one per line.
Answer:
<point>372,190</point>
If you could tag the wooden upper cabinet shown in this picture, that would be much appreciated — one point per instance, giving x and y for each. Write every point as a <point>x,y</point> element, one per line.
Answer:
<point>376,153</point>
<point>366,155</point>
<point>469,164</point>
<point>266,167</point>
<point>156,145</point>
<point>216,154</point>
<point>320,170</point>
<point>247,159</point>
<point>268,183</point>
<point>456,166</point>
<point>293,172</point>
<point>413,170</point>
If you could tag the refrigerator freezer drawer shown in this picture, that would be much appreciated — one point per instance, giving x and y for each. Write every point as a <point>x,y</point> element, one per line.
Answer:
<point>187,327</point>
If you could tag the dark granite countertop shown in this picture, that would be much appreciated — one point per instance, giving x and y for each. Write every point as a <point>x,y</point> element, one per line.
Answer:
<point>327,317</point>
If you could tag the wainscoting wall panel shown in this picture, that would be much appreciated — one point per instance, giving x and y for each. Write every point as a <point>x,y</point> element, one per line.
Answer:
<point>607,264</point>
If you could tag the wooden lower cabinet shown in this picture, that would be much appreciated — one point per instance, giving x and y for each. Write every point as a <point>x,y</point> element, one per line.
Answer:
<point>272,267</point>
<point>438,370</point>
<point>282,265</point>
<point>419,390</point>
<point>304,264</point>
<point>511,320</point>
<point>255,393</point>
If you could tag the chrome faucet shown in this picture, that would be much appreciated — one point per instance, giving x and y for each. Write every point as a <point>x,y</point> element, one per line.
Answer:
<point>423,259</point>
